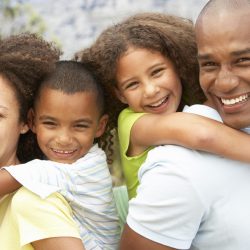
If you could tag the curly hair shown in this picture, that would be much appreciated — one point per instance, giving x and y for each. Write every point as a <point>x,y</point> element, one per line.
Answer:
<point>25,59</point>
<point>172,36</point>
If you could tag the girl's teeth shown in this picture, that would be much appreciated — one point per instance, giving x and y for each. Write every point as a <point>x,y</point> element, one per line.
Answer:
<point>234,100</point>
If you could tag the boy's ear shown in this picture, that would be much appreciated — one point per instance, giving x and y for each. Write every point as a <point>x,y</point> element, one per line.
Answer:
<point>120,96</point>
<point>101,126</point>
<point>31,120</point>
<point>24,128</point>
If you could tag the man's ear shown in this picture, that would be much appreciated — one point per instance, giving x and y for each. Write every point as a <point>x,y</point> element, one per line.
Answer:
<point>101,126</point>
<point>31,120</point>
<point>120,96</point>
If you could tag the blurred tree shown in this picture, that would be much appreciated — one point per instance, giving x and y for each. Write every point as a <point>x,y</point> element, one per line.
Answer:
<point>18,16</point>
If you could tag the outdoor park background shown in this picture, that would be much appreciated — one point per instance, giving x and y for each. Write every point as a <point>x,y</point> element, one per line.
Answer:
<point>74,24</point>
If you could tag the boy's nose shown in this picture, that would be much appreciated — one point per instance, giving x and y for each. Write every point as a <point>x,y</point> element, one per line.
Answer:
<point>64,138</point>
<point>226,80</point>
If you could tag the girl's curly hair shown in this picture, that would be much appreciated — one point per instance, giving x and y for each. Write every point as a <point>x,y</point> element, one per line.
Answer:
<point>25,59</point>
<point>172,36</point>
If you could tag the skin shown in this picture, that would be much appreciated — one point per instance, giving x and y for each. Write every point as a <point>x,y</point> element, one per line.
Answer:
<point>224,59</point>
<point>10,125</point>
<point>154,87</point>
<point>66,125</point>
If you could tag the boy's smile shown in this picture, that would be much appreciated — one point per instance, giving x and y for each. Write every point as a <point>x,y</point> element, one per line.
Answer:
<point>66,124</point>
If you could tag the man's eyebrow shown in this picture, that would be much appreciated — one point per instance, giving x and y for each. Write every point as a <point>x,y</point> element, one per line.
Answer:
<point>241,52</point>
<point>234,53</point>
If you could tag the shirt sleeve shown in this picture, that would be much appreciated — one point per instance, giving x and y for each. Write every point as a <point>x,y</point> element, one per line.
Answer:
<point>39,176</point>
<point>167,208</point>
<point>30,218</point>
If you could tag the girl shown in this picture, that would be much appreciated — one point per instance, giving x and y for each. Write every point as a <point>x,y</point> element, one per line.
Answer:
<point>149,62</point>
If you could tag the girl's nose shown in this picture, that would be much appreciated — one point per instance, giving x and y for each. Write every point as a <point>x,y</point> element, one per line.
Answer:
<point>64,138</point>
<point>150,89</point>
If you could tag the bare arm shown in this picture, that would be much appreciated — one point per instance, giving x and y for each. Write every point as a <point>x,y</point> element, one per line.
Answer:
<point>131,240</point>
<point>59,243</point>
<point>8,184</point>
<point>191,131</point>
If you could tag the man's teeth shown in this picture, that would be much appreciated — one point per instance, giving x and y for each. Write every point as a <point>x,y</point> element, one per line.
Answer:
<point>234,100</point>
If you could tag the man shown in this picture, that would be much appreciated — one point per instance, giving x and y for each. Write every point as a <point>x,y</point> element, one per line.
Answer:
<point>195,200</point>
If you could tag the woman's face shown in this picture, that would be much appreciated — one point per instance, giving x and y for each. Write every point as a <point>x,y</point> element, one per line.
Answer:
<point>10,126</point>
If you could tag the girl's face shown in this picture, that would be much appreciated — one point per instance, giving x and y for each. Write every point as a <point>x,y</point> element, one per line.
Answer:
<point>66,124</point>
<point>10,125</point>
<point>148,82</point>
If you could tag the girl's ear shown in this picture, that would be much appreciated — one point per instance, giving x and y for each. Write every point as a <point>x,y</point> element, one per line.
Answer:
<point>101,126</point>
<point>120,96</point>
<point>31,120</point>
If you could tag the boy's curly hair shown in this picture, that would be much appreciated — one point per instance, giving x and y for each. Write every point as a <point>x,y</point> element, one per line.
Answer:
<point>172,36</point>
<point>25,59</point>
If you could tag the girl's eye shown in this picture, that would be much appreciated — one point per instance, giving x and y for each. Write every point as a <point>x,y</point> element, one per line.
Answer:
<point>131,85</point>
<point>157,72</point>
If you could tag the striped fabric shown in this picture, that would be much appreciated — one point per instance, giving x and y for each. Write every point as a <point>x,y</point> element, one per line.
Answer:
<point>86,185</point>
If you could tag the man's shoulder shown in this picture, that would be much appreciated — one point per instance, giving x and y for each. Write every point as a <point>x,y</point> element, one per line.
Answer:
<point>203,110</point>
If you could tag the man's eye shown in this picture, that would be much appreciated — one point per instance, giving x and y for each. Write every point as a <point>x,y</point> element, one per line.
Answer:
<point>243,60</point>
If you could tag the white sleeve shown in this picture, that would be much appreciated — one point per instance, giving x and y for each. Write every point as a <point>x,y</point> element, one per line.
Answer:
<point>39,176</point>
<point>166,209</point>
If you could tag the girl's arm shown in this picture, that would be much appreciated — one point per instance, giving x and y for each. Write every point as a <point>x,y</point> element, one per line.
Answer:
<point>8,184</point>
<point>191,131</point>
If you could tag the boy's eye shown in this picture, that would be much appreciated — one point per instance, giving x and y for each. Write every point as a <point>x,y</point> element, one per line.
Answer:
<point>49,123</point>
<point>81,126</point>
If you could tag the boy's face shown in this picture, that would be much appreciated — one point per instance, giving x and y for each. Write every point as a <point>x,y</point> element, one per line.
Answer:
<point>224,58</point>
<point>66,124</point>
<point>148,82</point>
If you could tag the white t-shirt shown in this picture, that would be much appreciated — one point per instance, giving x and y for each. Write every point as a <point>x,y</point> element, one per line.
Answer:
<point>193,199</point>
<point>87,186</point>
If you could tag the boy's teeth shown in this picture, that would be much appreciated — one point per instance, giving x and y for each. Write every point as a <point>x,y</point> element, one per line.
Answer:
<point>158,103</point>
<point>234,100</point>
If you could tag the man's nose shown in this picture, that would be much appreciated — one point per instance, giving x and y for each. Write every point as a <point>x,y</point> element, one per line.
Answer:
<point>226,80</point>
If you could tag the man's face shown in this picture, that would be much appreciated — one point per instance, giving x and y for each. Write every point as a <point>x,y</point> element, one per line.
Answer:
<point>224,57</point>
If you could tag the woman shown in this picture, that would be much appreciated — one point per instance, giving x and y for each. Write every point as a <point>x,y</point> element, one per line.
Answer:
<point>26,221</point>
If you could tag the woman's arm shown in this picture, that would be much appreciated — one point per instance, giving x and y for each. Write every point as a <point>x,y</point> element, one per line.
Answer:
<point>59,243</point>
<point>8,184</point>
<point>191,131</point>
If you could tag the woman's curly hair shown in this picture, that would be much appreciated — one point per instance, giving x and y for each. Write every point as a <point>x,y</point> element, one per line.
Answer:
<point>25,59</point>
<point>172,36</point>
